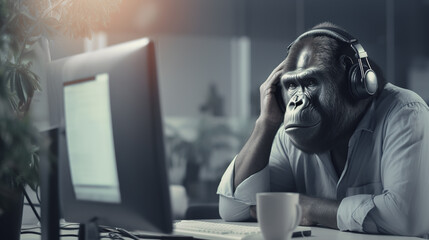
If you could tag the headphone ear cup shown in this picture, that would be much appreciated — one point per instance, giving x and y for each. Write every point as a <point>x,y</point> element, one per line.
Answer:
<point>354,79</point>
<point>370,81</point>
<point>362,87</point>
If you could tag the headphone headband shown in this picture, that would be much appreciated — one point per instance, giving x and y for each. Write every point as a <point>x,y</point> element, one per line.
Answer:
<point>331,32</point>
<point>336,34</point>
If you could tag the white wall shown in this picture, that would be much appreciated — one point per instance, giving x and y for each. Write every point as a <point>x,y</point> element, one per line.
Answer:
<point>186,66</point>
<point>418,78</point>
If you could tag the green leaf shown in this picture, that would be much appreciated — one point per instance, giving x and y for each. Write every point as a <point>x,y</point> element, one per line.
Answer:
<point>27,86</point>
<point>10,76</point>
<point>32,78</point>
<point>19,89</point>
<point>13,103</point>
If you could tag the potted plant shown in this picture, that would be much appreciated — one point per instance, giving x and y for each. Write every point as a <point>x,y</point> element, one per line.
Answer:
<point>25,26</point>
<point>18,165</point>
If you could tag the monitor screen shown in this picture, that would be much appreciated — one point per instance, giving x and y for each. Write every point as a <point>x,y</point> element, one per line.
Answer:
<point>111,155</point>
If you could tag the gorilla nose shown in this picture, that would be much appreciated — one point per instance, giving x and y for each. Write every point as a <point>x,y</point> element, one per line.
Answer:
<point>299,101</point>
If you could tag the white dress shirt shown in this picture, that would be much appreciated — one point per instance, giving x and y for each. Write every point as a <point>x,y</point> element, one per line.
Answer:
<point>384,187</point>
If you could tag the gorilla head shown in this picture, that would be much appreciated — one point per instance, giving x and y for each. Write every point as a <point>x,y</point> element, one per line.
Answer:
<point>320,109</point>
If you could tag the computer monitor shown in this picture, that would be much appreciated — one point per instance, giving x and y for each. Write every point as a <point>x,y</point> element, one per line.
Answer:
<point>111,155</point>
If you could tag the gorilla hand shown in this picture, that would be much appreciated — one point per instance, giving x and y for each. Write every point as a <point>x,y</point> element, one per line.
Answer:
<point>271,112</point>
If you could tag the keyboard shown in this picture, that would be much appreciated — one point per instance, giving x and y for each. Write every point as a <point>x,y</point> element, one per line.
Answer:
<point>219,230</point>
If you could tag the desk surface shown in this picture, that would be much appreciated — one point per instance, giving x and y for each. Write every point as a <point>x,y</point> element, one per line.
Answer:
<point>317,233</point>
<point>330,234</point>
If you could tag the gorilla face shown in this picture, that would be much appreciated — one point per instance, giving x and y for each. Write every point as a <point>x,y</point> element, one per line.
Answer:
<point>319,110</point>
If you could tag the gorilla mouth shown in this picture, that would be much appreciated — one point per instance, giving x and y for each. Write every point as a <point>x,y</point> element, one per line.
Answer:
<point>293,126</point>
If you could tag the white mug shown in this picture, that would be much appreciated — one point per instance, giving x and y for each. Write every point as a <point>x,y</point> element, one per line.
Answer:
<point>278,214</point>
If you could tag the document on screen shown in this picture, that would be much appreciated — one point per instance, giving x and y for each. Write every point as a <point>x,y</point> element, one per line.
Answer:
<point>89,137</point>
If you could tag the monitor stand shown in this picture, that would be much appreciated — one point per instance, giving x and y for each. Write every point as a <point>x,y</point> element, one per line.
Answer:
<point>89,231</point>
<point>50,209</point>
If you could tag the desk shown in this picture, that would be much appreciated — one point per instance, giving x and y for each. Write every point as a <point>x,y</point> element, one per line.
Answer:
<point>317,233</point>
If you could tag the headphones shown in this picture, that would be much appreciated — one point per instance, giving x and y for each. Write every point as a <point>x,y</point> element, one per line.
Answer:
<point>362,79</point>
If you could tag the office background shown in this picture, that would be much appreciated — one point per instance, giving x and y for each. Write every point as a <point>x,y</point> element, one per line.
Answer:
<point>212,56</point>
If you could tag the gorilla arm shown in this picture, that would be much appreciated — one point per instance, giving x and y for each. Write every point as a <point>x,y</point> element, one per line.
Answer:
<point>235,193</point>
<point>255,154</point>
<point>318,211</point>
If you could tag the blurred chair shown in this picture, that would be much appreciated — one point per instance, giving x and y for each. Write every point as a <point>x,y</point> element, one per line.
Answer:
<point>179,201</point>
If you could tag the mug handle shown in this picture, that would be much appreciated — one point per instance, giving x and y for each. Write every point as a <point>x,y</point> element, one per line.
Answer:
<point>298,216</point>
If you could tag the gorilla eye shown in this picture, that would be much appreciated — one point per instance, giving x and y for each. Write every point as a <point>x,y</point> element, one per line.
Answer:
<point>291,86</point>
<point>311,82</point>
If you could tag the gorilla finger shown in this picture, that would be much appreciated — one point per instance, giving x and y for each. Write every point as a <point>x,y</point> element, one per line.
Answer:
<point>270,90</point>
<point>279,67</point>
<point>266,89</point>
<point>275,79</point>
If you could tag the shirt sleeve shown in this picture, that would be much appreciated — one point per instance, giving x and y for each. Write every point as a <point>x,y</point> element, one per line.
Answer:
<point>276,176</point>
<point>234,206</point>
<point>401,209</point>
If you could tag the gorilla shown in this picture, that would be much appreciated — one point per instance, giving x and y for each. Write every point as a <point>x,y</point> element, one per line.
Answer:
<point>333,130</point>
<point>322,110</point>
